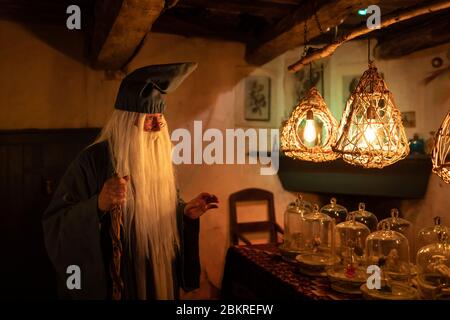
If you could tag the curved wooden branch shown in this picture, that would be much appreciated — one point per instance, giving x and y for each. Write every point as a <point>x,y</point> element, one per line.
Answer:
<point>388,20</point>
<point>170,3</point>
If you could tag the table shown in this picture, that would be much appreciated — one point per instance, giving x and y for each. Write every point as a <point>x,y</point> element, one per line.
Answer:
<point>260,272</point>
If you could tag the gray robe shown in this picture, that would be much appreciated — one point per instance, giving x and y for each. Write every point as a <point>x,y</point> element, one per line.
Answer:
<point>75,235</point>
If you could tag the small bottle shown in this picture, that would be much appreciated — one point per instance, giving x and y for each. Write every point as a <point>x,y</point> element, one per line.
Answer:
<point>417,145</point>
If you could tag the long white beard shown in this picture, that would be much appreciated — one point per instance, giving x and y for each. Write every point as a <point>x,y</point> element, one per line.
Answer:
<point>150,211</point>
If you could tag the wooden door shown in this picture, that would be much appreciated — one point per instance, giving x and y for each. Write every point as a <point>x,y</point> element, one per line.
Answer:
<point>31,165</point>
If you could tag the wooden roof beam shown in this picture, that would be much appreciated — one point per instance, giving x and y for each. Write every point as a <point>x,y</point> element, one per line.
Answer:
<point>409,38</point>
<point>120,27</point>
<point>288,33</point>
<point>386,21</point>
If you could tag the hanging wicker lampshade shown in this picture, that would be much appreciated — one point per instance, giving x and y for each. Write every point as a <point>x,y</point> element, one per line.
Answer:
<point>371,133</point>
<point>310,131</point>
<point>440,156</point>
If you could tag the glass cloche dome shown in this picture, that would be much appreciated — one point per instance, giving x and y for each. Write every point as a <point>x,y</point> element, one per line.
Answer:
<point>396,223</point>
<point>350,272</point>
<point>389,251</point>
<point>319,243</point>
<point>293,228</point>
<point>400,225</point>
<point>366,217</point>
<point>334,210</point>
<point>433,262</point>
<point>300,201</point>
<point>429,235</point>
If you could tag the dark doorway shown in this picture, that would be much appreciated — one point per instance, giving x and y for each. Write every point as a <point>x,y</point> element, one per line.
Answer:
<point>31,164</point>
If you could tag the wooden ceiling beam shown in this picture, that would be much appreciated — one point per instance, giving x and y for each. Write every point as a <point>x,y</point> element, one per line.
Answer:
<point>120,27</point>
<point>386,21</point>
<point>191,26</point>
<point>288,33</point>
<point>407,38</point>
<point>45,12</point>
<point>236,7</point>
<point>292,2</point>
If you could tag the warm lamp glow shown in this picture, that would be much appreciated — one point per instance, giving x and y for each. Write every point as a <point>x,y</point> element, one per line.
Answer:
<point>371,134</point>
<point>310,130</point>
<point>310,134</point>
<point>441,151</point>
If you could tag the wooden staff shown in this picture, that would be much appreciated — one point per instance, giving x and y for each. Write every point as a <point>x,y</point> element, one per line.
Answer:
<point>114,231</point>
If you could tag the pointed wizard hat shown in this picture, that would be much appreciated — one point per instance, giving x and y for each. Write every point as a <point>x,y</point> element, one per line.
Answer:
<point>143,89</point>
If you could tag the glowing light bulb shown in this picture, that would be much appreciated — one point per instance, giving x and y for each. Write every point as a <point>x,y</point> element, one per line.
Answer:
<point>310,134</point>
<point>370,133</point>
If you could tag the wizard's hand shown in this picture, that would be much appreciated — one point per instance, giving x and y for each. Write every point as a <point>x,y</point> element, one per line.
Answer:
<point>200,204</point>
<point>114,192</point>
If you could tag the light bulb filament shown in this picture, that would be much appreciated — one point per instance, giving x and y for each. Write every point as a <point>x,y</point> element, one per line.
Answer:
<point>310,134</point>
<point>370,133</point>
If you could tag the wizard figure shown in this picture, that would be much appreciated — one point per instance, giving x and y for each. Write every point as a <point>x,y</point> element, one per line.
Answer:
<point>116,214</point>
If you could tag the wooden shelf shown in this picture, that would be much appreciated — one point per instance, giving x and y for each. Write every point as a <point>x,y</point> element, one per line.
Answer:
<point>405,179</point>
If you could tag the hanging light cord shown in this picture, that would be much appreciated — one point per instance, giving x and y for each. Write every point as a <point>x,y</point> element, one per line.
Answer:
<point>305,50</point>
<point>317,18</point>
<point>305,38</point>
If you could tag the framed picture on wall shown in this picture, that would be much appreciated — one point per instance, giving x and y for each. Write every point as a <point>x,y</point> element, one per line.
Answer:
<point>304,79</point>
<point>409,119</point>
<point>297,85</point>
<point>257,98</point>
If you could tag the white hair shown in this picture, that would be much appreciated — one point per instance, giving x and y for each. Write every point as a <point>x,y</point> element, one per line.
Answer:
<point>150,211</point>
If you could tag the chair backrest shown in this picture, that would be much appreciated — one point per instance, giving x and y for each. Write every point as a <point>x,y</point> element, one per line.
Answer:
<point>238,229</point>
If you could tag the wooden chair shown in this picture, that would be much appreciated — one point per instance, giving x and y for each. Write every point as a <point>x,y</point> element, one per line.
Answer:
<point>270,225</point>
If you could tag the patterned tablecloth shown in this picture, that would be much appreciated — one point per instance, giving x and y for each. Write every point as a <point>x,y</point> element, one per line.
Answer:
<point>260,272</point>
